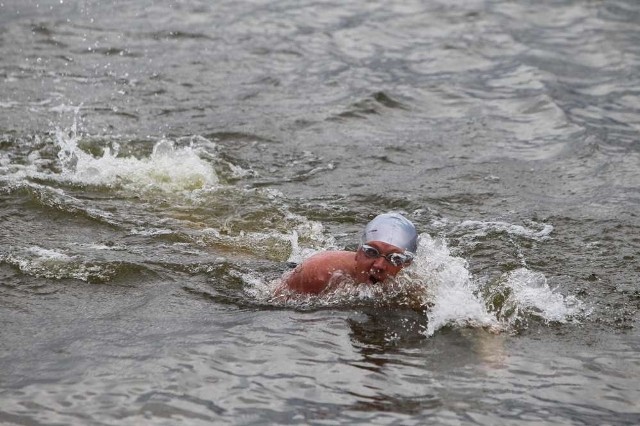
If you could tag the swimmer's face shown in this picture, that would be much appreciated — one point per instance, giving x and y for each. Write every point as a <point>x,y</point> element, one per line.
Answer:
<point>372,269</point>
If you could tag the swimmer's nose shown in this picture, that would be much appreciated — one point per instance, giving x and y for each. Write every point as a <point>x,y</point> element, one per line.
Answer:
<point>380,263</point>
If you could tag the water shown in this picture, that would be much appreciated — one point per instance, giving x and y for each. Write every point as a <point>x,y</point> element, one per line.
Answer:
<point>162,164</point>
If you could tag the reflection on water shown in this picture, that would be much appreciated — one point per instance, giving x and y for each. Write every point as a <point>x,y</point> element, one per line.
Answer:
<point>161,166</point>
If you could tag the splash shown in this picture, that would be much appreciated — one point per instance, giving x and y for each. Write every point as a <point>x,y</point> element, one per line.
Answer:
<point>460,300</point>
<point>442,286</point>
<point>78,159</point>
<point>168,168</point>
<point>454,292</point>
<point>311,232</point>
<point>523,294</point>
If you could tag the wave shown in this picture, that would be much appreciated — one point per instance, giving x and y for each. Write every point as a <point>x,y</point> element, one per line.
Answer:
<point>54,264</point>
<point>167,168</point>
<point>71,158</point>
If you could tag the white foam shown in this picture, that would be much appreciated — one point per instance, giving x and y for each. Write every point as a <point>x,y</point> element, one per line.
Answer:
<point>168,168</point>
<point>47,263</point>
<point>481,229</point>
<point>461,300</point>
<point>298,254</point>
<point>528,294</point>
<point>148,232</point>
<point>312,232</point>
<point>8,104</point>
<point>46,254</point>
<point>454,293</point>
<point>64,108</point>
<point>103,247</point>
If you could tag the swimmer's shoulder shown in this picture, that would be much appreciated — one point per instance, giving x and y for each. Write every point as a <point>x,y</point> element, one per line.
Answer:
<point>313,275</point>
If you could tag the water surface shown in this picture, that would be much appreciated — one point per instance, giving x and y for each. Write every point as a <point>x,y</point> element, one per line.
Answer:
<point>161,165</point>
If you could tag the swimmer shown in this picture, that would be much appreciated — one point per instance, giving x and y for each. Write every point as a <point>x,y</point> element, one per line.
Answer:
<point>389,244</point>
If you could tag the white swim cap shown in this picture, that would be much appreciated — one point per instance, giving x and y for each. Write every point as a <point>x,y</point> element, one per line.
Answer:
<point>394,229</point>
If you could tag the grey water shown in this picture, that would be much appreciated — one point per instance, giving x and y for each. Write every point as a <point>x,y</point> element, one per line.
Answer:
<point>163,163</point>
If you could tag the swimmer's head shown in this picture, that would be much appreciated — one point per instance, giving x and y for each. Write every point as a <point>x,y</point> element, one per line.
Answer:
<point>394,229</point>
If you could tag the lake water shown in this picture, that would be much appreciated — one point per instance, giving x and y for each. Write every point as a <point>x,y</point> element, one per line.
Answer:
<point>162,164</point>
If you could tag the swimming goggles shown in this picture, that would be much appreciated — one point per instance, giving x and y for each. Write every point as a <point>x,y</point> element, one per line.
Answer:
<point>396,259</point>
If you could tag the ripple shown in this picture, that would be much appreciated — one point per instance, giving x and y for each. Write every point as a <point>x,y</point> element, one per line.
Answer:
<point>377,103</point>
